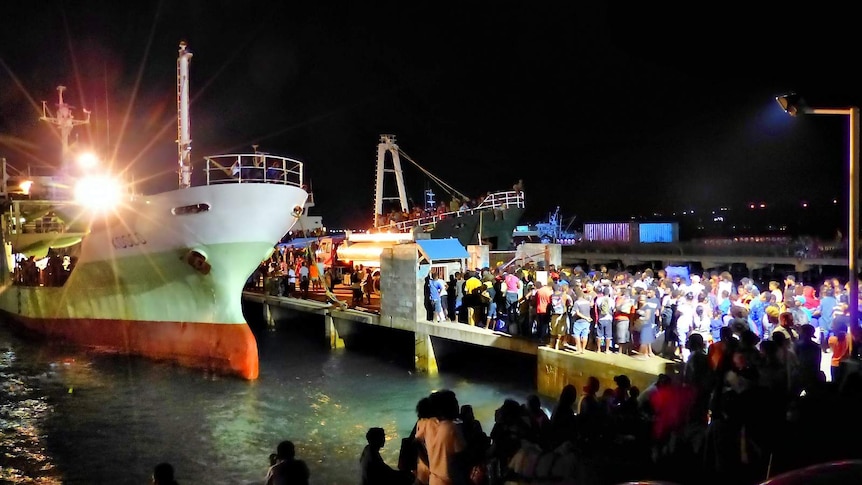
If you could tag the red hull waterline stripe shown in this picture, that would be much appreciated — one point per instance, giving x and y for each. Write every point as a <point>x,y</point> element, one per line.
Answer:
<point>222,348</point>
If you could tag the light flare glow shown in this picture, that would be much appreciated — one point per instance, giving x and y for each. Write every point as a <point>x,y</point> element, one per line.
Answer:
<point>99,193</point>
<point>88,161</point>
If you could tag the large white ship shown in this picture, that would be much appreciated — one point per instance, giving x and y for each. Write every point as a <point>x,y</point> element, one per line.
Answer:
<point>160,275</point>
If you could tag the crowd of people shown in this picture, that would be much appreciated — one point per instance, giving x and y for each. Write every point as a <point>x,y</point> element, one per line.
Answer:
<point>294,273</point>
<point>454,207</point>
<point>55,272</point>
<point>729,417</point>
<point>457,204</point>
<point>645,313</point>
<point>751,399</point>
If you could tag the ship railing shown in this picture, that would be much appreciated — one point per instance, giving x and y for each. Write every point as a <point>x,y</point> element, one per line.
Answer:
<point>253,168</point>
<point>497,200</point>
<point>41,227</point>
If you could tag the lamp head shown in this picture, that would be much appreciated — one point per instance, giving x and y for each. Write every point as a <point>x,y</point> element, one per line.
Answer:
<point>791,103</point>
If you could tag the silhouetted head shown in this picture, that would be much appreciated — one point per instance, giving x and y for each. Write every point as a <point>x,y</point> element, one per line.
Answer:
<point>376,437</point>
<point>424,408</point>
<point>533,402</point>
<point>467,415</point>
<point>592,385</point>
<point>623,381</point>
<point>445,404</point>
<point>663,380</point>
<point>749,338</point>
<point>695,342</point>
<point>163,474</point>
<point>568,396</point>
<point>285,450</point>
<point>509,412</point>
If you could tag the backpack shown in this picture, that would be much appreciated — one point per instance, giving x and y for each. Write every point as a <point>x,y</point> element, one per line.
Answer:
<point>557,305</point>
<point>668,316</point>
<point>483,293</point>
<point>604,308</point>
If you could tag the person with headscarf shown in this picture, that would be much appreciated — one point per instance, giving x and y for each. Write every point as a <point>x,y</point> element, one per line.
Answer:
<point>810,295</point>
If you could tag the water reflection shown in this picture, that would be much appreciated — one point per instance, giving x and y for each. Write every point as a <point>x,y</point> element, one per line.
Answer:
<point>69,417</point>
<point>22,415</point>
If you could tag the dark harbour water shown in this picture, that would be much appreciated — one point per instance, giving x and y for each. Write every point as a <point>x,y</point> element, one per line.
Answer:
<point>70,417</point>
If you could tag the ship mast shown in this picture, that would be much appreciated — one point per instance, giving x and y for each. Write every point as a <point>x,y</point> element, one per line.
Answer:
<point>387,144</point>
<point>66,121</point>
<point>184,142</point>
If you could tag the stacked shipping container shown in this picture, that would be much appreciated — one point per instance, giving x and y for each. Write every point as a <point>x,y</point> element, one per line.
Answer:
<point>631,232</point>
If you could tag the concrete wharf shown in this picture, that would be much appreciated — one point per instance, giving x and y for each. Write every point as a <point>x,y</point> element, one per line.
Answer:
<point>401,309</point>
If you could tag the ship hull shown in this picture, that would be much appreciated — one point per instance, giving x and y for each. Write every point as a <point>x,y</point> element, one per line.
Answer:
<point>137,289</point>
<point>495,225</point>
<point>219,348</point>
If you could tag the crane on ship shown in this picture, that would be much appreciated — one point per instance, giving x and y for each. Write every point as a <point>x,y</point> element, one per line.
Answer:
<point>388,145</point>
<point>63,118</point>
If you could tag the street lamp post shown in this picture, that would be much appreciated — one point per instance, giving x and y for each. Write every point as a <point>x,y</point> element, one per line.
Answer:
<point>793,105</point>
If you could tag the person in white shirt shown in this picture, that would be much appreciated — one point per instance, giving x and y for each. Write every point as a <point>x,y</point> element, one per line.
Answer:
<point>686,307</point>
<point>725,283</point>
<point>303,279</point>
<point>696,287</point>
<point>291,281</point>
<point>443,314</point>
<point>775,289</point>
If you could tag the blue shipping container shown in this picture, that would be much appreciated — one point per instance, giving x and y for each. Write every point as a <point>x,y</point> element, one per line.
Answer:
<point>658,232</point>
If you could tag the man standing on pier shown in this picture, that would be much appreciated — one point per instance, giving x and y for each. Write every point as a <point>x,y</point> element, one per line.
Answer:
<point>560,307</point>
<point>543,316</point>
<point>290,288</point>
<point>514,287</point>
<point>303,280</point>
<point>471,299</point>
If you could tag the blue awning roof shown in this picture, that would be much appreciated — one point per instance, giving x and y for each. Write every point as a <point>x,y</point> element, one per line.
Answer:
<point>441,249</point>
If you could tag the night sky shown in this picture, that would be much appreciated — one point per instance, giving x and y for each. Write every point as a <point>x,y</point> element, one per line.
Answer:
<point>608,111</point>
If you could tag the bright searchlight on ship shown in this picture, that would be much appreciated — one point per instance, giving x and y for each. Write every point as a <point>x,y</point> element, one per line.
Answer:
<point>88,160</point>
<point>98,192</point>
